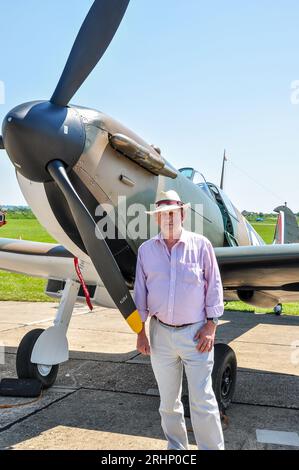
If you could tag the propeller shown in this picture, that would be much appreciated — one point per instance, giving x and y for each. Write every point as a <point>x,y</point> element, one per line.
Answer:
<point>97,248</point>
<point>95,35</point>
<point>35,133</point>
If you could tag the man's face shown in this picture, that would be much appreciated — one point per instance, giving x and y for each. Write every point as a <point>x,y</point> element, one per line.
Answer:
<point>170,222</point>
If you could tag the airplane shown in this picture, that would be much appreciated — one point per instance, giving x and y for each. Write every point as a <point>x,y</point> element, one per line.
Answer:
<point>69,161</point>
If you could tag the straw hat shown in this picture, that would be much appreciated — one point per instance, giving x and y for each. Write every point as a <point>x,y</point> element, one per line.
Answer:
<point>168,201</point>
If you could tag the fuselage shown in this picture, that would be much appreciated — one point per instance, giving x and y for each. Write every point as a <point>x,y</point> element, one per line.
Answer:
<point>107,179</point>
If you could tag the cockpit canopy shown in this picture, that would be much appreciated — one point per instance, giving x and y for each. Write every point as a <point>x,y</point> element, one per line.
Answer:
<point>197,178</point>
<point>192,175</point>
<point>215,193</point>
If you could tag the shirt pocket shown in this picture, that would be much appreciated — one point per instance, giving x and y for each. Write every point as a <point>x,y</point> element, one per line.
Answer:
<point>191,273</point>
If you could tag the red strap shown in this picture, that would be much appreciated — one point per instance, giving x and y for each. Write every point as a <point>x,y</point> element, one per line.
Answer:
<point>82,282</point>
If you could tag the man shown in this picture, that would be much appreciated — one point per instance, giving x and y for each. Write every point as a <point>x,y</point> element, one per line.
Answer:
<point>178,285</point>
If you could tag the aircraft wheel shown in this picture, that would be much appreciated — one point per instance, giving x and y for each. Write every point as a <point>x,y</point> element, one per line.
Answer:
<point>26,369</point>
<point>224,375</point>
<point>278,309</point>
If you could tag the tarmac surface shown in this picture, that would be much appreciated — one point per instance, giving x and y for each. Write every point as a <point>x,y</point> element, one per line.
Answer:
<point>106,396</point>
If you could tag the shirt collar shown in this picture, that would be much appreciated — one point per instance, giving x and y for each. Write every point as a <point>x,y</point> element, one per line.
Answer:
<point>183,237</point>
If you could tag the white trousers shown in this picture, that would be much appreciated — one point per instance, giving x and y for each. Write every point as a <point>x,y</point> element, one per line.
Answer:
<point>171,349</point>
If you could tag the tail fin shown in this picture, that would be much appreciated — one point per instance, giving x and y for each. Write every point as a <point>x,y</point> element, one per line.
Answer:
<point>286,230</point>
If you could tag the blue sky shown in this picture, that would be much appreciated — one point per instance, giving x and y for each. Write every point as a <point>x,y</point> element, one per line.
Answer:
<point>193,77</point>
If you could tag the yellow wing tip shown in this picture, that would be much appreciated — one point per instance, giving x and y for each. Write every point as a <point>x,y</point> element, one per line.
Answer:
<point>134,321</point>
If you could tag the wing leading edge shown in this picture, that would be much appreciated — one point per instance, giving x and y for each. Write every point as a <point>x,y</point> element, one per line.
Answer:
<point>45,260</point>
<point>260,275</point>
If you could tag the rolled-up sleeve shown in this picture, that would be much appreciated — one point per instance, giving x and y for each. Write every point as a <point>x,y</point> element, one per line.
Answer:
<point>213,286</point>
<point>140,289</point>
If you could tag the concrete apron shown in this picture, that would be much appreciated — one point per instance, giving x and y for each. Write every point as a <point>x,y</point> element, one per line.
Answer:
<point>106,397</point>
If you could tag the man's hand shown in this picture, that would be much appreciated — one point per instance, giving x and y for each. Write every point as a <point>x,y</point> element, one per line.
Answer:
<point>206,337</point>
<point>142,343</point>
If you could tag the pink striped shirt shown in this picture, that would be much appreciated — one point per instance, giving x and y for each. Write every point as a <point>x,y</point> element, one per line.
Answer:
<point>181,286</point>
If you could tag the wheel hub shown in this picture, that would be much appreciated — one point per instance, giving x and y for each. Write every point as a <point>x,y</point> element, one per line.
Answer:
<point>226,382</point>
<point>43,369</point>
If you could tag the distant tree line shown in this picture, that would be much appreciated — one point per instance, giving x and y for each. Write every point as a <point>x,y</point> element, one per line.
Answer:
<point>18,212</point>
<point>24,212</point>
<point>252,215</point>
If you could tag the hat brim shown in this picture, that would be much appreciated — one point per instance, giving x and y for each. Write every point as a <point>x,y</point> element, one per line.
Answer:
<point>168,208</point>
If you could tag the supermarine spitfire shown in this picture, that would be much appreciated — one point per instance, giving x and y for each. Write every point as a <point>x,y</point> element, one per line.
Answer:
<point>69,160</point>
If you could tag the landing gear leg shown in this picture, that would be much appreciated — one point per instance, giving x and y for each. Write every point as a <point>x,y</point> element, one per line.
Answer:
<point>41,351</point>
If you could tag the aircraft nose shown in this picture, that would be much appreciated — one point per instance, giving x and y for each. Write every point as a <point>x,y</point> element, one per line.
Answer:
<point>36,133</point>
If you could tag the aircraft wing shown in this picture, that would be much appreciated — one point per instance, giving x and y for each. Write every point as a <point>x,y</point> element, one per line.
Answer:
<point>55,263</point>
<point>44,260</point>
<point>261,275</point>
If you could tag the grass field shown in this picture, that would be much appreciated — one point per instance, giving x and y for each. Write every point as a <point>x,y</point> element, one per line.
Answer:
<point>17,286</point>
<point>24,288</point>
<point>265,231</point>
<point>26,229</point>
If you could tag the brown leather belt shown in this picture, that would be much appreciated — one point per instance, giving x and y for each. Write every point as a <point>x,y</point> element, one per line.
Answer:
<point>173,326</point>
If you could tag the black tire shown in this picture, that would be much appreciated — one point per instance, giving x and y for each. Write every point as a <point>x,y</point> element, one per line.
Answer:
<point>25,368</point>
<point>278,309</point>
<point>224,375</point>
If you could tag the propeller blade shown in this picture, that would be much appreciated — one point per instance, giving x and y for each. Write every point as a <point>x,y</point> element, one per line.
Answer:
<point>1,143</point>
<point>95,35</point>
<point>97,248</point>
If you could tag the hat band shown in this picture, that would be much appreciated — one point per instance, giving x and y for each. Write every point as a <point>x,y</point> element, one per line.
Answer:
<point>169,202</point>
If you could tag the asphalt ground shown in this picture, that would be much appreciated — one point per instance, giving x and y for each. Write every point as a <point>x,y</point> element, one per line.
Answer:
<point>106,396</point>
